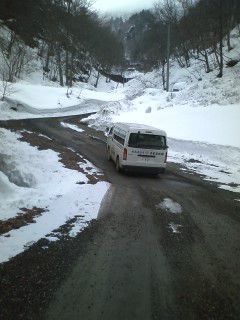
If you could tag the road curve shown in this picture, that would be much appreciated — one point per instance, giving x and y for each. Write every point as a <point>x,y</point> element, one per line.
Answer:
<point>135,267</point>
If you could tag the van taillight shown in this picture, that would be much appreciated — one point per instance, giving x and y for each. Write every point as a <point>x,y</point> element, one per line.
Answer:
<point>165,157</point>
<point>124,154</point>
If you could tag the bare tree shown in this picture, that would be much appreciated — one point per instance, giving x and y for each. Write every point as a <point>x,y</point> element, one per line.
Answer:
<point>166,11</point>
<point>220,39</point>
<point>6,87</point>
<point>16,57</point>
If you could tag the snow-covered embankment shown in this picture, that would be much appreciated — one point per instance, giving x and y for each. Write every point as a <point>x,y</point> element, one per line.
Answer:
<point>31,179</point>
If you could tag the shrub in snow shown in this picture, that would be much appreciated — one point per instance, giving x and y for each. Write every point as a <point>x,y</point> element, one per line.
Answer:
<point>148,110</point>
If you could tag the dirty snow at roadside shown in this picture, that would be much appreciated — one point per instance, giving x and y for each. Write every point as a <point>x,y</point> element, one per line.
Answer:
<point>216,163</point>
<point>32,178</point>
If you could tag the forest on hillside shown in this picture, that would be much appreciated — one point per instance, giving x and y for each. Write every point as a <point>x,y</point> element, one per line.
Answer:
<point>198,30</point>
<point>72,40</point>
<point>69,37</point>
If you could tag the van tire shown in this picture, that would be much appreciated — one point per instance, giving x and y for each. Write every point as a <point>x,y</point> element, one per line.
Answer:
<point>117,165</point>
<point>108,154</point>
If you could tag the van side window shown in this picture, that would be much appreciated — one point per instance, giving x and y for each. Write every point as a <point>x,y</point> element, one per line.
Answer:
<point>118,139</point>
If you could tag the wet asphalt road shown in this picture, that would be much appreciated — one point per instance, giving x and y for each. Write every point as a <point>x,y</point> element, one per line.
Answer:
<point>136,267</point>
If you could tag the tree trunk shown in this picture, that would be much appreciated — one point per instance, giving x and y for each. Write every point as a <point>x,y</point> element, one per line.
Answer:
<point>70,81</point>
<point>59,63</point>
<point>41,49</point>
<point>221,40</point>
<point>48,59</point>
<point>10,45</point>
<point>216,56</point>
<point>98,76</point>
<point>232,9</point>
<point>229,41</point>
<point>181,64</point>
<point>69,2</point>
<point>168,57</point>
<point>207,62</point>
<point>19,67</point>
<point>67,68</point>
<point>163,75</point>
<point>90,73</point>
<point>186,56</point>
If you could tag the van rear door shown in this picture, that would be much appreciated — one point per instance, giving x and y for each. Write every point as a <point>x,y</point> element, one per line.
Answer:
<point>147,149</point>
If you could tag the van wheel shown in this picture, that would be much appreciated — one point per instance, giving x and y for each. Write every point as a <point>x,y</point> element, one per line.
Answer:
<point>117,165</point>
<point>108,154</point>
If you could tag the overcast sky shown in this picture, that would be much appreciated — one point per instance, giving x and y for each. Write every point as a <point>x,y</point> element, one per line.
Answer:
<point>122,6</point>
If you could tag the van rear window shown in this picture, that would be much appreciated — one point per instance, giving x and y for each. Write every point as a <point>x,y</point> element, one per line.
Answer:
<point>147,141</point>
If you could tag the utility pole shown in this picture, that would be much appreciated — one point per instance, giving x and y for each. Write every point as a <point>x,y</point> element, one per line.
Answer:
<point>168,55</point>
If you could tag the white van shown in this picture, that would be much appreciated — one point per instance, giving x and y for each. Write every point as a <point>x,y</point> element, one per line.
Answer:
<point>137,147</point>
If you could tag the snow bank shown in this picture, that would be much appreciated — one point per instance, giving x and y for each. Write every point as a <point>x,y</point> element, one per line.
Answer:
<point>216,163</point>
<point>84,200</point>
<point>32,178</point>
<point>42,99</point>
<point>7,189</point>
<point>13,110</point>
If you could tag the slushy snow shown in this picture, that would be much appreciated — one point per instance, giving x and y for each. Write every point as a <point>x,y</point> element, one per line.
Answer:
<point>71,126</point>
<point>169,205</point>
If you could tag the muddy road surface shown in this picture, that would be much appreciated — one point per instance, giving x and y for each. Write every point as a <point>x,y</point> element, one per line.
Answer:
<point>143,261</point>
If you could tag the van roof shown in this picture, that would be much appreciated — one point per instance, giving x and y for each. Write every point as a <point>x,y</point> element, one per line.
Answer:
<point>138,126</point>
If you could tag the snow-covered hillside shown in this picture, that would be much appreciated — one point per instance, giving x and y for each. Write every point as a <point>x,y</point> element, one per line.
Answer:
<point>201,107</point>
<point>200,115</point>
